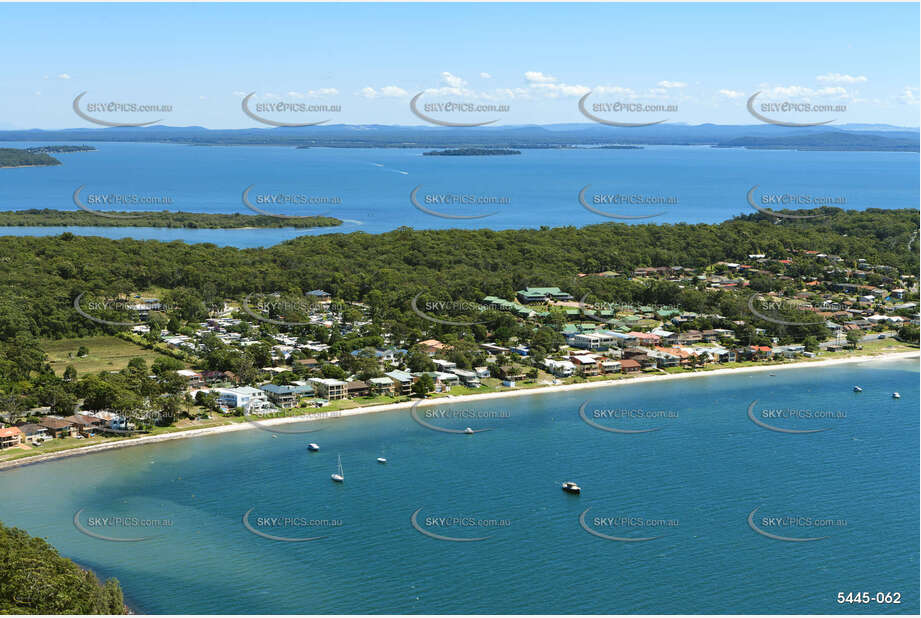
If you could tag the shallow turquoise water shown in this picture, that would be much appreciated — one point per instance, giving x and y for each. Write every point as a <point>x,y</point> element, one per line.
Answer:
<point>706,469</point>
<point>708,185</point>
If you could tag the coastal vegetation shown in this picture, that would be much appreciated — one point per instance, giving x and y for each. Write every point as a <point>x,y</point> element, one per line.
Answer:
<point>471,152</point>
<point>47,217</point>
<point>35,579</point>
<point>61,148</point>
<point>18,157</point>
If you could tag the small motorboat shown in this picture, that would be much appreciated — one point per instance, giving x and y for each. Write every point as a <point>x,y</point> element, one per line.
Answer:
<point>896,396</point>
<point>339,475</point>
<point>857,389</point>
<point>571,488</point>
<point>468,431</point>
<point>313,446</point>
<point>381,460</point>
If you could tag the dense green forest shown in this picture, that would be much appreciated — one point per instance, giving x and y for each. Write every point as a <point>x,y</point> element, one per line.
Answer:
<point>16,157</point>
<point>163,218</point>
<point>35,579</point>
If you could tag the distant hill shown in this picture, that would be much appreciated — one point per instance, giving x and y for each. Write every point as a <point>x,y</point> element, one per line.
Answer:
<point>838,140</point>
<point>511,137</point>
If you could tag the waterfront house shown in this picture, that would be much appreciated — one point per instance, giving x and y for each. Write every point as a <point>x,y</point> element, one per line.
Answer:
<point>34,433</point>
<point>586,365</point>
<point>286,396</point>
<point>357,388</point>
<point>560,368</point>
<point>86,425</point>
<point>58,427</point>
<point>403,382</point>
<point>467,378</point>
<point>381,386</point>
<point>245,397</point>
<point>328,388</point>
<point>10,437</point>
<point>629,366</point>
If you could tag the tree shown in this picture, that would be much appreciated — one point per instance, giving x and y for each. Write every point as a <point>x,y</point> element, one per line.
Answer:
<point>853,337</point>
<point>83,351</point>
<point>909,332</point>
<point>424,385</point>
<point>70,374</point>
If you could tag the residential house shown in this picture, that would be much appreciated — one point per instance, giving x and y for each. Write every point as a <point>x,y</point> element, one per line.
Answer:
<point>432,346</point>
<point>10,437</point>
<point>467,378</point>
<point>357,388</point>
<point>285,395</point>
<point>328,388</point>
<point>403,382</point>
<point>319,295</point>
<point>560,368</point>
<point>58,427</point>
<point>538,295</point>
<point>245,397</point>
<point>629,366</point>
<point>86,425</point>
<point>34,433</point>
<point>381,386</point>
<point>586,365</point>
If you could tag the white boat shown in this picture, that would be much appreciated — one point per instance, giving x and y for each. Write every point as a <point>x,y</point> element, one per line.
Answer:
<point>339,476</point>
<point>857,389</point>
<point>381,460</point>
<point>571,488</point>
<point>468,431</point>
<point>896,396</point>
<point>313,446</point>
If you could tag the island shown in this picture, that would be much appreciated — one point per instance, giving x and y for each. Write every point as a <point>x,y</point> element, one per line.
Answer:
<point>46,217</point>
<point>17,157</point>
<point>471,152</point>
<point>58,148</point>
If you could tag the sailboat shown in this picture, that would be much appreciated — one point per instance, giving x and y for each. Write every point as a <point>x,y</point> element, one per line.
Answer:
<point>339,476</point>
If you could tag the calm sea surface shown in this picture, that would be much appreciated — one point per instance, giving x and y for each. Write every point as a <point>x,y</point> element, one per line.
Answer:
<point>692,484</point>
<point>373,186</point>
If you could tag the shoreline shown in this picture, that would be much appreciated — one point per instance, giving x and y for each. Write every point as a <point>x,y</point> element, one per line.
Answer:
<point>405,405</point>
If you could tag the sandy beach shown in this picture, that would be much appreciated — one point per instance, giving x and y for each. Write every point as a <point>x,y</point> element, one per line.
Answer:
<point>540,390</point>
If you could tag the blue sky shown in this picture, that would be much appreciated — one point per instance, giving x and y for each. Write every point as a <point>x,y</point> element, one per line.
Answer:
<point>705,60</point>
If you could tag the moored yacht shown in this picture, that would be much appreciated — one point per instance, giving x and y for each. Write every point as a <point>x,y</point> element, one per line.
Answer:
<point>339,475</point>
<point>313,446</point>
<point>571,488</point>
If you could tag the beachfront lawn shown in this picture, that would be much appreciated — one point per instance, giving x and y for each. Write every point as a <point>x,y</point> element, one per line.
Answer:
<point>106,353</point>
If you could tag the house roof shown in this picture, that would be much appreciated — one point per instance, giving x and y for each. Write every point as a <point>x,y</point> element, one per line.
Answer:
<point>9,432</point>
<point>55,423</point>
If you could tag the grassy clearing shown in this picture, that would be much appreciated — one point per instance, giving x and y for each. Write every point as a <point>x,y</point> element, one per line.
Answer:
<point>106,353</point>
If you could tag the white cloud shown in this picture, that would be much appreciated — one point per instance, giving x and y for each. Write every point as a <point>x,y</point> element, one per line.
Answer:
<point>536,77</point>
<point>910,95</point>
<point>667,84</point>
<point>485,75</point>
<point>387,91</point>
<point>838,78</point>
<point>731,94</point>
<point>63,76</point>
<point>453,80</point>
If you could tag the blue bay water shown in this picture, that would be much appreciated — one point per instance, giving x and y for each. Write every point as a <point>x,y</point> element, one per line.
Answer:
<point>541,187</point>
<point>707,469</point>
